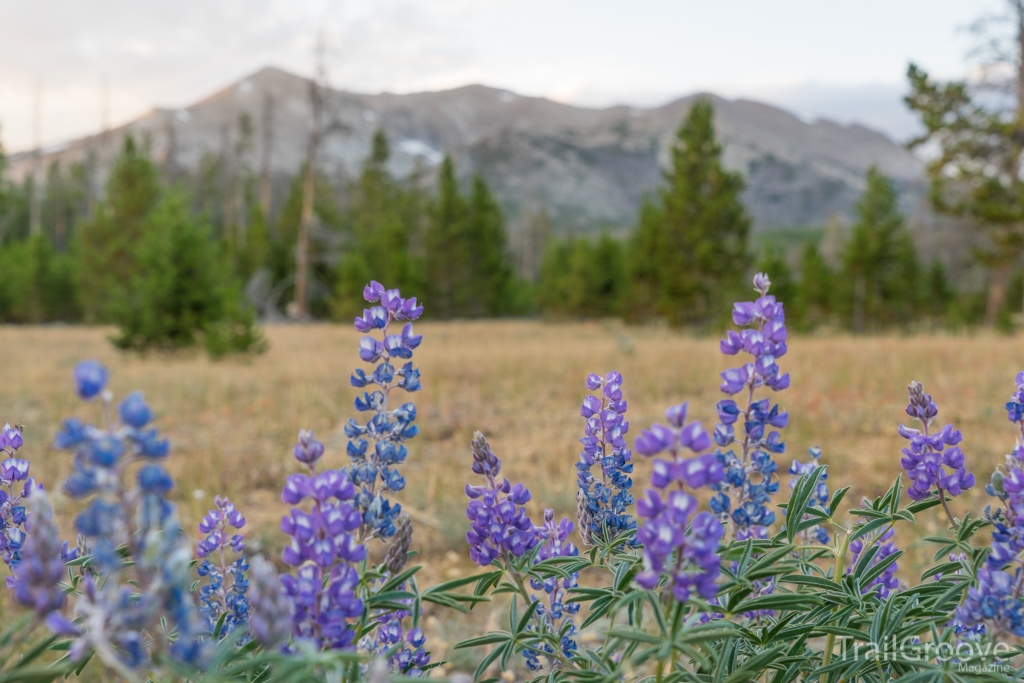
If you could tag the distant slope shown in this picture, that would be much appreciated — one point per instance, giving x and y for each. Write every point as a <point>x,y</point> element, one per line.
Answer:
<point>589,167</point>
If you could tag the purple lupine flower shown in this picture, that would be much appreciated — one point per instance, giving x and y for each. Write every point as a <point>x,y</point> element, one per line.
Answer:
<point>37,582</point>
<point>553,612</point>
<point>15,487</point>
<point>696,472</point>
<point>1015,406</point>
<point>500,527</point>
<point>886,582</point>
<point>226,583</point>
<point>929,456</point>
<point>742,496</point>
<point>270,622</point>
<point>373,291</point>
<point>375,469</point>
<point>323,546</point>
<point>408,658</point>
<point>603,503</point>
<point>1008,485</point>
<point>690,560</point>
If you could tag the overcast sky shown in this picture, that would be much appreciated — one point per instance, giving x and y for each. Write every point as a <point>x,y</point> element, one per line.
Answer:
<point>839,59</point>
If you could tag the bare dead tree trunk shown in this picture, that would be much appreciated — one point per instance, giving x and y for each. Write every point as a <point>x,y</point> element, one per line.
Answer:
<point>266,151</point>
<point>298,308</point>
<point>998,283</point>
<point>35,221</point>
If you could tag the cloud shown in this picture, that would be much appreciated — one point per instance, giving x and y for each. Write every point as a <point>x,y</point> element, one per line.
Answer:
<point>585,51</point>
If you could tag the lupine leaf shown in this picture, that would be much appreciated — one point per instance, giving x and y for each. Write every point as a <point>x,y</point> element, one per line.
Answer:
<point>489,639</point>
<point>798,501</point>
<point>837,498</point>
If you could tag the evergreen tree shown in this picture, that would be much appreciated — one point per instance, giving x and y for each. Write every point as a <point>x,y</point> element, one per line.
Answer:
<point>881,275</point>
<point>182,293</point>
<point>488,292</point>
<point>644,259</point>
<point>695,248</point>
<point>446,262</point>
<point>109,240</point>
<point>938,293</point>
<point>381,234</point>
<point>582,278</point>
<point>815,290</point>
<point>37,284</point>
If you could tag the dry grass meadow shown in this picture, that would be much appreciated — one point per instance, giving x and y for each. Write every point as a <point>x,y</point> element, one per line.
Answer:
<point>232,424</point>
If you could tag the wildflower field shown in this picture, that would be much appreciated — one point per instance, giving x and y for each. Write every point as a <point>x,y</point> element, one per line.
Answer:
<point>233,425</point>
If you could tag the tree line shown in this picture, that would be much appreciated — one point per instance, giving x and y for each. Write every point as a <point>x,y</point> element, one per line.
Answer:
<point>160,257</point>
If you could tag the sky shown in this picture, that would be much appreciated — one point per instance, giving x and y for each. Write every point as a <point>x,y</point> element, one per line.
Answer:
<point>114,60</point>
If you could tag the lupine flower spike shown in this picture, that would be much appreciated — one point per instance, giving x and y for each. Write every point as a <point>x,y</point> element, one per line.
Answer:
<point>38,583</point>
<point>603,502</point>
<point>272,610</point>
<point>553,611</point>
<point>929,456</point>
<point>125,606</point>
<point>15,487</point>
<point>750,476</point>
<point>323,548</point>
<point>377,448</point>
<point>226,583</point>
<point>996,604</point>
<point>690,560</point>
<point>499,525</point>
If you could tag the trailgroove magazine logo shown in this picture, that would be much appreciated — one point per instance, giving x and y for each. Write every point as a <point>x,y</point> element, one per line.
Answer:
<point>972,657</point>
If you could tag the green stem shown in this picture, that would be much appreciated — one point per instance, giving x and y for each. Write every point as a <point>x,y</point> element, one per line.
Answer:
<point>839,566</point>
<point>945,506</point>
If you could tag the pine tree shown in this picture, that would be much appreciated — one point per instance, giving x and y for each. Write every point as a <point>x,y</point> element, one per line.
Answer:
<point>644,259</point>
<point>697,253</point>
<point>109,240</point>
<point>183,293</point>
<point>446,258</point>
<point>381,232</point>
<point>881,275</point>
<point>815,290</point>
<point>489,289</point>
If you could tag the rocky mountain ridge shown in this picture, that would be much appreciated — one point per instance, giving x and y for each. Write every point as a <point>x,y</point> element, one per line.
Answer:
<point>588,168</point>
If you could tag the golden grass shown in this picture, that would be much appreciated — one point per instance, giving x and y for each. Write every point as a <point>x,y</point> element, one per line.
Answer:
<point>232,424</point>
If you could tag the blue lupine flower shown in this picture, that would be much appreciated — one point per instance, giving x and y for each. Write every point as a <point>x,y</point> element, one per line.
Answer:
<point>90,378</point>
<point>928,455</point>
<point>134,412</point>
<point>218,596</point>
<point>993,604</point>
<point>554,613</point>
<point>750,479</point>
<point>120,619</point>
<point>373,469</point>
<point>603,504</point>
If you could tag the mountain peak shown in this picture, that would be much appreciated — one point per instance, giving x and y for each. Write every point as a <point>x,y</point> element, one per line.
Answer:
<point>589,167</point>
